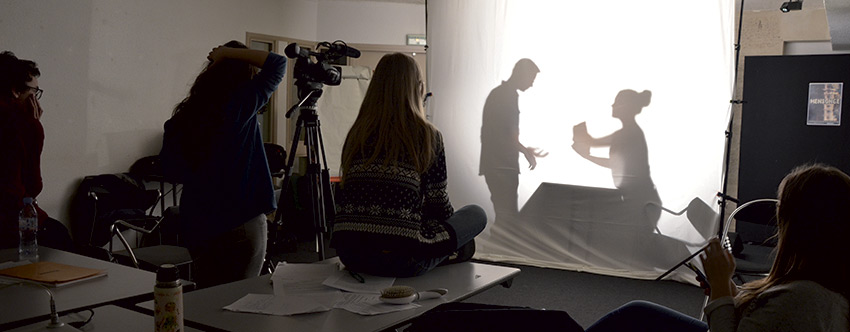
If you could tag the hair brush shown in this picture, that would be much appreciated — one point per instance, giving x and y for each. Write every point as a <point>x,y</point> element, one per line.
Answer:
<point>407,294</point>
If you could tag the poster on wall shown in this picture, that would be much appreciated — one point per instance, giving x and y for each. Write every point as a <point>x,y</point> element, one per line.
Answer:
<point>824,104</point>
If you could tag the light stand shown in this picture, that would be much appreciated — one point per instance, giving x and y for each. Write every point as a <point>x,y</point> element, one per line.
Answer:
<point>722,194</point>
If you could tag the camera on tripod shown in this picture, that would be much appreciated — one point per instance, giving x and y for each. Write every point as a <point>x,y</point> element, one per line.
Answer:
<point>310,76</point>
<point>320,71</point>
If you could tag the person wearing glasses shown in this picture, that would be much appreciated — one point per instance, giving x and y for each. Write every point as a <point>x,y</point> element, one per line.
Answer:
<point>21,142</point>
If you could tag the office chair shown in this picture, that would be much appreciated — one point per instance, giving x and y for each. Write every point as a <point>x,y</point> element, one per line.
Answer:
<point>755,229</point>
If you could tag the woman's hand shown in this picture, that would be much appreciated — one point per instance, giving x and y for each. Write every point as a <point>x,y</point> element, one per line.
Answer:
<point>582,149</point>
<point>254,57</point>
<point>217,53</point>
<point>32,105</point>
<point>580,134</point>
<point>719,266</point>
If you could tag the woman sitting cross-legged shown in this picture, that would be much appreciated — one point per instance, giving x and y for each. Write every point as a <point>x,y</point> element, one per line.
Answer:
<point>394,217</point>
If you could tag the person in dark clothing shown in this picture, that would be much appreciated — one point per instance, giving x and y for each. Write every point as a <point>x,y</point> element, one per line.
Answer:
<point>21,143</point>
<point>212,146</point>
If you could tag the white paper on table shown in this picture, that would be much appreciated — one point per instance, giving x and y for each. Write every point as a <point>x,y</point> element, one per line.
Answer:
<point>370,304</point>
<point>304,271</point>
<point>283,305</point>
<point>371,285</point>
<point>302,279</point>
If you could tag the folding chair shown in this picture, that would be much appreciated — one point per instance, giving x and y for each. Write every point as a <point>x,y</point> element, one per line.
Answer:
<point>120,203</point>
<point>755,228</point>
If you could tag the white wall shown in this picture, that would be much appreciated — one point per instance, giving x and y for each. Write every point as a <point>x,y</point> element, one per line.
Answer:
<point>112,70</point>
<point>369,22</point>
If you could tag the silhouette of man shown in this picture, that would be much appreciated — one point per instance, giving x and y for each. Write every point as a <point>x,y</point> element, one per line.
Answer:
<point>500,143</point>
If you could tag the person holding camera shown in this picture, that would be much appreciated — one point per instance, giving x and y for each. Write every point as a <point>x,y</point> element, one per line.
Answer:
<point>394,217</point>
<point>213,147</point>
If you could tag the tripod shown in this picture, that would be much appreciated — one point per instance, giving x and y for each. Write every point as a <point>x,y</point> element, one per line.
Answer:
<point>320,198</point>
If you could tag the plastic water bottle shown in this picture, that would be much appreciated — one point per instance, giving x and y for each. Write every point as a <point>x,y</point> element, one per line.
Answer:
<point>28,231</point>
<point>168,300</point>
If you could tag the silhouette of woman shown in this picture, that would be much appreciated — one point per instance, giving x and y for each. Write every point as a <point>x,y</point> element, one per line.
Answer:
<point>628,156</point>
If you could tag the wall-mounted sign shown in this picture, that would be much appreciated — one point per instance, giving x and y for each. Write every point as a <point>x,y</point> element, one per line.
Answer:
<point>416,40</point>
<point>824,104</point>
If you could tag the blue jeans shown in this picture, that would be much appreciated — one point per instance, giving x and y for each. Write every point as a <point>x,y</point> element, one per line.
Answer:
<point>647,316</point>
<point>467,222</point>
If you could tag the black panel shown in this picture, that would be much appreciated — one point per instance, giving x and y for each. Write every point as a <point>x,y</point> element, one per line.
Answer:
<point>774,134</point>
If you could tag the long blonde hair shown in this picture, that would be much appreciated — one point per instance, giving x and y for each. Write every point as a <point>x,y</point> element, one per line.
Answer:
<point>813,219</point>
<point>391,123</point>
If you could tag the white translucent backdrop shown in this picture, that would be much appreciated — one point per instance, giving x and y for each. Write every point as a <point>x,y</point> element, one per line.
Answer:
<point>588,51</point>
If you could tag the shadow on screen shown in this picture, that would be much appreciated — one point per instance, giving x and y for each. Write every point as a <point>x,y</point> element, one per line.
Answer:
<point>615,228</point>
<point>500,144</point>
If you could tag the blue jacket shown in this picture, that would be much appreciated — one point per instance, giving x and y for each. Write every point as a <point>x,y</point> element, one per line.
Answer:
<point>234,185</point>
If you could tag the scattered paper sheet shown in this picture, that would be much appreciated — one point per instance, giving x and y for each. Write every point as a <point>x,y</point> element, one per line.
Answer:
<point>281,306</point>
<point>302,279</point>
<point>370,304</point>
<point>299,271</point>
<point>306,288</point>
<point>370,285</point>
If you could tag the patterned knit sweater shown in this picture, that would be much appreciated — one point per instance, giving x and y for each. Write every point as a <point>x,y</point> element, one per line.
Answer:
<point>395,208</point>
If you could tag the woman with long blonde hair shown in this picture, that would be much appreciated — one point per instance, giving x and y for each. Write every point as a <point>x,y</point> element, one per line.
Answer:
<point>394,217</point>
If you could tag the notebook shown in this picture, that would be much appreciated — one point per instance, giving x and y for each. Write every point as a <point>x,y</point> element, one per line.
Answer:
<point>50,273</point>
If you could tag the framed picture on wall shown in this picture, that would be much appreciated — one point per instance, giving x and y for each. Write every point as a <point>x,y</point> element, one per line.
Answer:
<point>824,104</point>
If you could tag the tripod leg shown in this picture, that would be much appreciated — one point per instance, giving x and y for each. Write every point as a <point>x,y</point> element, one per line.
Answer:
<point>680,263</point>
<point>287,178</point>
<point>316,195</point>
<point>275,227</point>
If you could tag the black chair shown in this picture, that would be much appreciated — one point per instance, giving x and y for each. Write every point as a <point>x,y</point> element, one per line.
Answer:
<point>276,157</point>
<point>149,169</point>
<point>118,203</point>
<point>753,243</point>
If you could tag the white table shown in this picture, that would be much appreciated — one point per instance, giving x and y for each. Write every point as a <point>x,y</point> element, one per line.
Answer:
<point>21,305</point>
<point>107,318</point>
<point>462,280</point>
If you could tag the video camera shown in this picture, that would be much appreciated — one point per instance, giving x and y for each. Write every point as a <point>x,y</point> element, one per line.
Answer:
<point>321,72</point>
